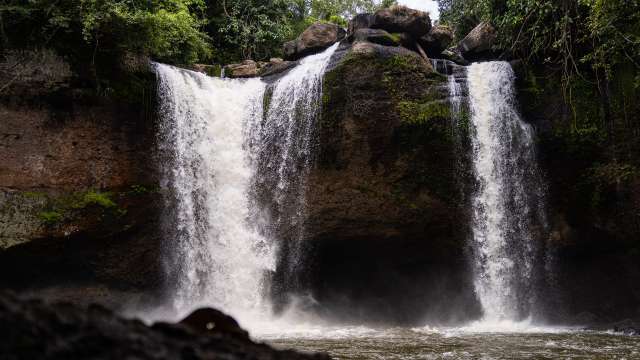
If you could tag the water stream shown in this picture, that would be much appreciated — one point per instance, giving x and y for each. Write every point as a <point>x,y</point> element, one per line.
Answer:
<point>508,208</point>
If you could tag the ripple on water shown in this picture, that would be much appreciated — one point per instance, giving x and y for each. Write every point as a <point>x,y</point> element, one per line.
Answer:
<point>469,342</point>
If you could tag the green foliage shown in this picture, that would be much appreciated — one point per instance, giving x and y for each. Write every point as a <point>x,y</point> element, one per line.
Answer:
<point>102,199</point>
<point>423,113</point>
<point>168,30</point>
<point>50,217</point>
<point>566,33</point>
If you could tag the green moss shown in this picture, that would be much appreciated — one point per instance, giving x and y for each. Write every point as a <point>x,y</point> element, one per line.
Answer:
<point>396,37</point>
<point>96,198</point>
<point>422,113</point>
<point>51,217</point>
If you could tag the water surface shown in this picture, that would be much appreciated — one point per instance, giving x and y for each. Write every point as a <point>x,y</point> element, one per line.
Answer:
<point>459,343</point>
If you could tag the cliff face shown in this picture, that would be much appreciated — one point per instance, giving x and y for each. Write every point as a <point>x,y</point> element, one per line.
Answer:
<point>589,150</point>
<point>78,191</point>
<point>386,220</point>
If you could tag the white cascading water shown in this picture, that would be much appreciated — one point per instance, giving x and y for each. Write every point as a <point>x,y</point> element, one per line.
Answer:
<point>507,204</point>
<point>284,140</point>
<point>219,150</point>
<point>217,258</point>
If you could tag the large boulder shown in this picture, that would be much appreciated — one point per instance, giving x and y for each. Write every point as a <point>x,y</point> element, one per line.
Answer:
<point>382,200</point>
<point>314,39</point>
<point>212,321</point>
<point>480,40</point>
<point>360,21</point>
<point>401,19</point>
<point>245,69</point>
<point>437,40</point>
<point>276,66</point>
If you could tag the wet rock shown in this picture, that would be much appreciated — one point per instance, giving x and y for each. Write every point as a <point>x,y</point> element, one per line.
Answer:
<point>40,330</point>
<point>376,36</point>
<point>210,70</point>
<point>245,69</point>
<point>212,321</point>
<point>478,41</point>
<point>455,56</point>
<point>316,38</point>
<point>437,40</point>
<point>385,114</point>
<point>276,66</point>
<point>401,19</point>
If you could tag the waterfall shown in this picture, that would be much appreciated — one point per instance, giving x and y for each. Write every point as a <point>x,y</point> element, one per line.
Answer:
<point>216,258</point>
<point>284,140</point>
<point>234,158</point>
<point>508,203</point>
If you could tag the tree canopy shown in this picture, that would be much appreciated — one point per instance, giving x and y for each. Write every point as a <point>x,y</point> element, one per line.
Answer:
<point>173,31</point>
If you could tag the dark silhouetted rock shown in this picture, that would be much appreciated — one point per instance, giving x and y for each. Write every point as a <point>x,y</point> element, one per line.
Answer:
<point>401,19</point>
<point>212,321</point>
<point>313,40</point>
<point>32,329</point>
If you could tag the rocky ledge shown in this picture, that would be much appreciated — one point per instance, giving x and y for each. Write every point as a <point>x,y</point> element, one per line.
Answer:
<point>40,330</point>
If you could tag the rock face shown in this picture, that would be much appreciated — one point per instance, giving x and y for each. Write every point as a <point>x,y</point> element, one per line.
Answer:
<point>79,198</point>
<point>360,21</point>
<point>314,39</point>
<point>401,19</point>
<point>478,41</point>
<point>594,200</point>
<point>41,330</point>
<point>437,40</point>
<point>383,205</point>
<point>376,36</point>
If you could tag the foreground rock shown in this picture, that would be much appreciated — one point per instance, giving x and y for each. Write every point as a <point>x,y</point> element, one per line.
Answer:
<point>313,40</point>
<point>480,40</point>
<point>32,329</point>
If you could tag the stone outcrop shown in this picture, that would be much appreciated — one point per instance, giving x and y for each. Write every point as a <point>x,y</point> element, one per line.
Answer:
<point>382,200</point>
<point>33,329</point>
<point>401,19</point>
<point>437,40</point>
<point>314,39</point>
<point>480,40</point>
<point>593,199</point>
<point>79,196</point>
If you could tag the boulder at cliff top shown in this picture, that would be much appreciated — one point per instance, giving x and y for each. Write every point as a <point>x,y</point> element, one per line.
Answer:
<point>401,19</point>
<point>33,329</point>
<point>313,40</point>
<point>245,69</point>
<point>478,41</point>
<point>360,21</point>
<point>437,40</point>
